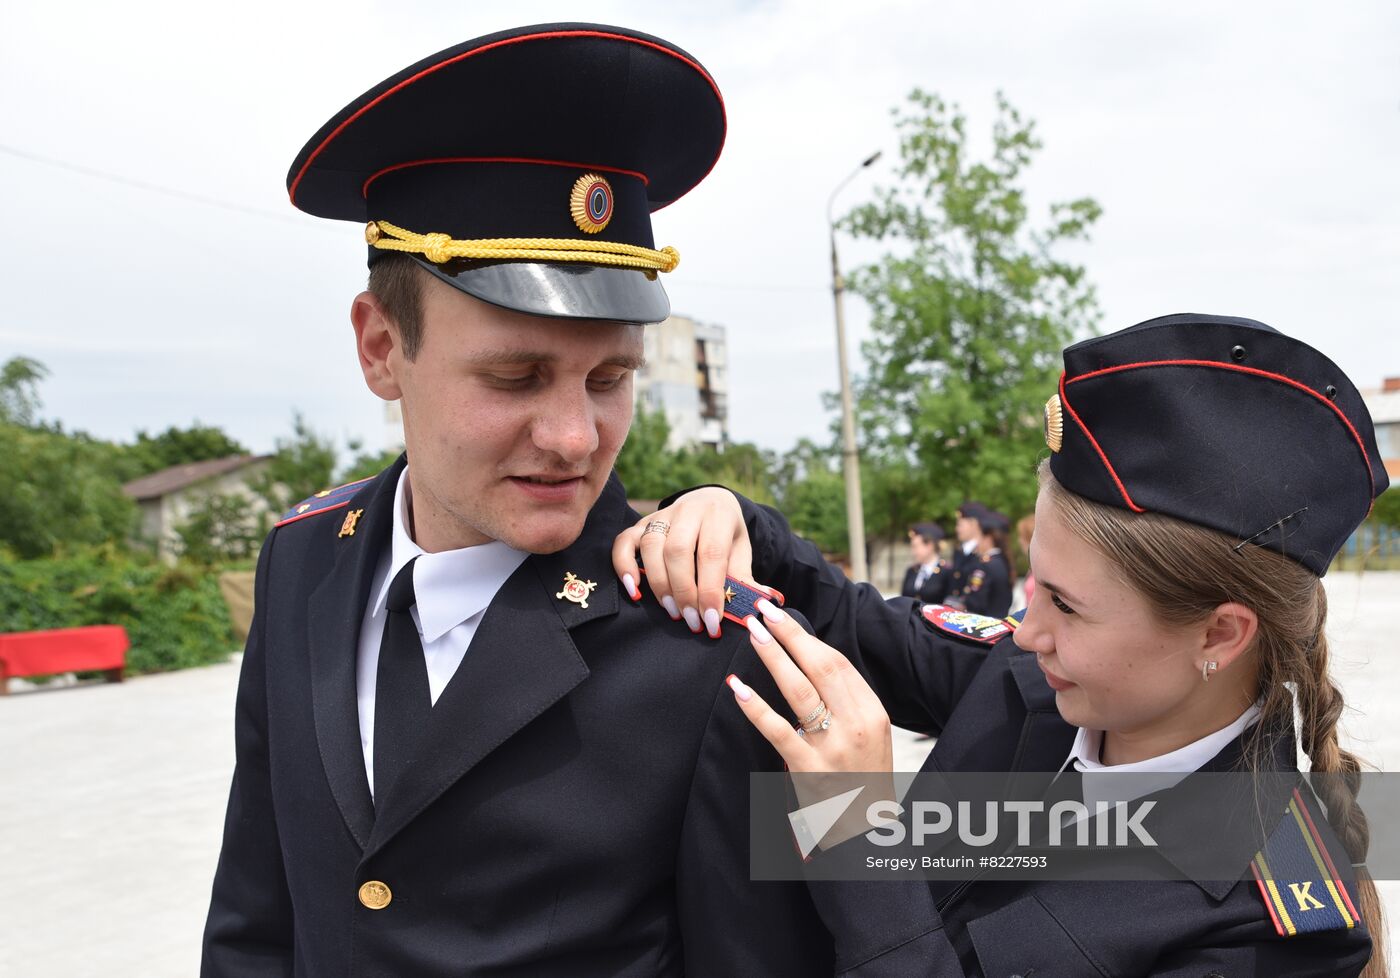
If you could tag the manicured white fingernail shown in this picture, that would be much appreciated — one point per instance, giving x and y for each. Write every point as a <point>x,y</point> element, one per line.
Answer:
<point>756,629</point>
<point>669,603</point>
<point>770,611</point>
<point>692,618</point>
<point>712,622</point>
<point>631,585</point>
<point>740,690</point>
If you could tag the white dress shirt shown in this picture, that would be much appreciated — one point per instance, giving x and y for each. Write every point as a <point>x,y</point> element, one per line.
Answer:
<point>925,572</point>
<point>1155,773</point>
<point>451,590</point>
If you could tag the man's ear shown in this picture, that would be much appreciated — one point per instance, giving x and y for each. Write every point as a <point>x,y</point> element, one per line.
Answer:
<point>378,344</point>
<point>1229,633</point>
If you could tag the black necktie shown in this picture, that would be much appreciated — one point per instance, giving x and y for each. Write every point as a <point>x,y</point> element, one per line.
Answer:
<point>402,701</point>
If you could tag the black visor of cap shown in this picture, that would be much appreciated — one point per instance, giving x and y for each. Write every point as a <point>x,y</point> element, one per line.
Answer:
<point>488,139</point>
<point>1222,422</point>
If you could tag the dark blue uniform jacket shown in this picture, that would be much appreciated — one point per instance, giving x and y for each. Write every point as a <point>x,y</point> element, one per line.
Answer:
<point>992,711</point>
<point>576,808</point>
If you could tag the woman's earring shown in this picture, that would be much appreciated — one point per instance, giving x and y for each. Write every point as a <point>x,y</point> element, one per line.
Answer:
<point>1207,668</point>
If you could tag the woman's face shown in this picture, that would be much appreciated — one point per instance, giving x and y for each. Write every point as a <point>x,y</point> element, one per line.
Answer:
<point>1112,664</point>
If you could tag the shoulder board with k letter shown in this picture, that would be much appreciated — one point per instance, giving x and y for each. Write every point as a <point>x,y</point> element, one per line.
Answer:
<point>1298,878</point>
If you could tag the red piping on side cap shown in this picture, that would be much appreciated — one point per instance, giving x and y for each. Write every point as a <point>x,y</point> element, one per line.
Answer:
<point>1095,442</point>
<point>364,191</point>
<point>292,191</point>
<point>1244,370</point>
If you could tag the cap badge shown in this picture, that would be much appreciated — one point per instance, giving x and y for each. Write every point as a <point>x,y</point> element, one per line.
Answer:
<point>352,518</point>
<point>1054,423</point>
<point>576,590</point>
<point>591,203</point>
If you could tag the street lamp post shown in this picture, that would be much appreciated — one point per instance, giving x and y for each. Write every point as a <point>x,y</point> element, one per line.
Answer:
<point>850,456</point>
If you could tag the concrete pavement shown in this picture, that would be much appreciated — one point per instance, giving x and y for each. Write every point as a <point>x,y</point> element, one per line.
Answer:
<point>112,799</point>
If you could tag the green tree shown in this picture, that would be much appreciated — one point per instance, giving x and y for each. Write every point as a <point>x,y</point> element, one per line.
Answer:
<point>365,464</point>
<point>178,446</point>
<point>811,493</point>
<point>58,491</point>
<point>19,395</point>
<point>646,466</point>
<point>301,465</point>
<point>970,310</point>
<point>220,529</point>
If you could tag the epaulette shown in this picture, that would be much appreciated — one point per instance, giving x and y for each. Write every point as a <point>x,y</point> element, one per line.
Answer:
<point>1297,878</point>
<point>326,499</point>
<point>740,598</point>
<point>965,624</point>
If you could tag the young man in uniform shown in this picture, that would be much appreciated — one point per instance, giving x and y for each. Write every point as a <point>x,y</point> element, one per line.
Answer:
<point>460,749</point>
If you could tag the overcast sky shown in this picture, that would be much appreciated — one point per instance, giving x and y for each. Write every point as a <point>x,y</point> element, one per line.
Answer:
<point>1246,156</point>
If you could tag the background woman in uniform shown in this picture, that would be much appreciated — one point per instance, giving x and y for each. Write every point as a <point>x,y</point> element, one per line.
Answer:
<point>990,579</point>
<point>928,577</point>
<point>1171,609</point>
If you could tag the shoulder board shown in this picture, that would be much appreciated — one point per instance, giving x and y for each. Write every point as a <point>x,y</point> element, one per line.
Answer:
<point>1298,878</point>
<point>740,598</point>
<point>326,499</point>
<point>965,624</point>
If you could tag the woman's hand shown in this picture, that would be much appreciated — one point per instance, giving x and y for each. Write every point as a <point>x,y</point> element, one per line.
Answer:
<point>823,689</point>
<point>819,683</point>
<point>704,539</point>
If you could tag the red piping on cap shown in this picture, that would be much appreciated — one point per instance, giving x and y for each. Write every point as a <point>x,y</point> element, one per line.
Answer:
<point>1095,442</point>
<point>1243,370</point>
<point>292,191</point>
<point>364,191</point>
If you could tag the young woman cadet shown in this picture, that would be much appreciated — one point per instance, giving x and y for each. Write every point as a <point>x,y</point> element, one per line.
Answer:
<point>1203,473</point>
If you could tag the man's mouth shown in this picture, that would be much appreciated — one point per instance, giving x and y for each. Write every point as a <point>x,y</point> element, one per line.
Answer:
<point>547,480</point>
<point>548,489</point>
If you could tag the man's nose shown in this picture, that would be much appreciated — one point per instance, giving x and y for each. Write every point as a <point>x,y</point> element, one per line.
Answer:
<point>567,425</point>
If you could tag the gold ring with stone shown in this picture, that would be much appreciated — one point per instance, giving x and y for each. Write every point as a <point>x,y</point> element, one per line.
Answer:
<point>821,720</point>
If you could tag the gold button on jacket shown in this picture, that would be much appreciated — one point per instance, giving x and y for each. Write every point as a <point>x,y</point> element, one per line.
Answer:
<point>375,895</point>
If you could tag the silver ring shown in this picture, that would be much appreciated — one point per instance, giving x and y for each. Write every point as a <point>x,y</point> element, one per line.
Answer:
<point>657,526</point>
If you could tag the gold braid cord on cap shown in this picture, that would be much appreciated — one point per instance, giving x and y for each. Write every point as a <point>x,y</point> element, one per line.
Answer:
<point>439,248</point>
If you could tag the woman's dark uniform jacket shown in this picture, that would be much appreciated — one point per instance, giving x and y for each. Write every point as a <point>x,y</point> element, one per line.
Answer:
<point>993,711</point>
<point>578,809</point>
<point>935,586</point>
<point>987,590</point>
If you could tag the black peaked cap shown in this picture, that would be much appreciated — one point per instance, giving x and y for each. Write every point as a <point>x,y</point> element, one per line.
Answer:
<point>1222,422</point>
<point>489,139</point>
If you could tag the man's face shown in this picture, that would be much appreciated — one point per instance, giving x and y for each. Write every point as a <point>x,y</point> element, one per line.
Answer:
<point>512,422</point>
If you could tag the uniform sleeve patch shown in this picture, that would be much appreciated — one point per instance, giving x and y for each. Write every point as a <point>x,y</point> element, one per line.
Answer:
<point>967,625</point>
<point>1298,879</point>
<point>323,501</point>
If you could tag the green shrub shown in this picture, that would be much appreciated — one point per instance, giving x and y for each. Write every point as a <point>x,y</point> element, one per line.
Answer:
<point>175,617</point>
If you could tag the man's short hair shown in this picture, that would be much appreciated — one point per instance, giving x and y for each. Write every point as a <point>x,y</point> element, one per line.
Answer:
<point>397,282</point>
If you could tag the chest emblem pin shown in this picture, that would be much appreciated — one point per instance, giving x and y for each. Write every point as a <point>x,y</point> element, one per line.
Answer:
<point>576,590</point>
<point>352,518</point>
